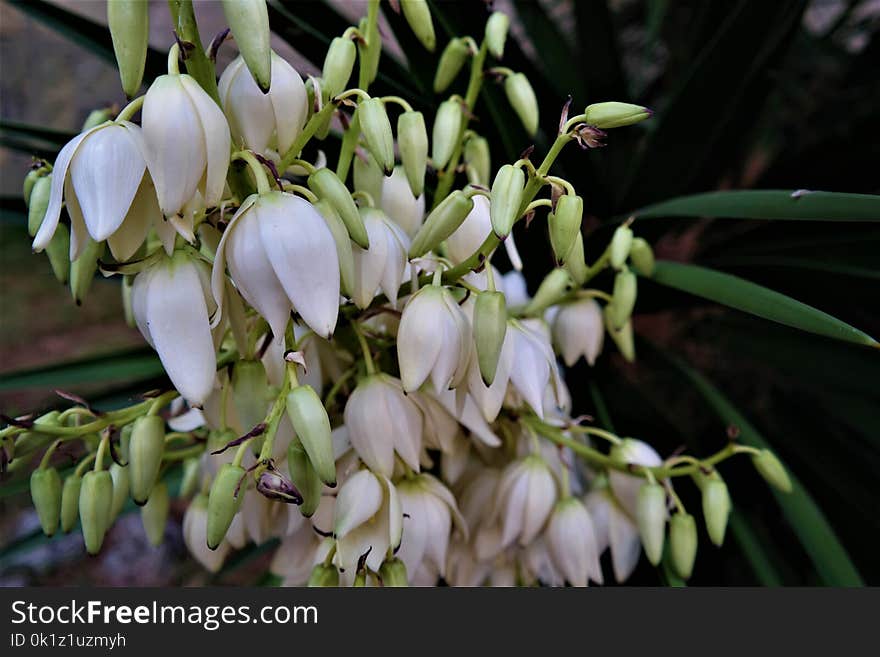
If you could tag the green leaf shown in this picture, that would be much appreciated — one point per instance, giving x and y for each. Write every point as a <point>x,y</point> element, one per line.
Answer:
<point>754,551</point>
<point>26,131</point>
<point>769,204</point>
<point>799,263</point>
<point>830,558</point>
<point>755,299</point>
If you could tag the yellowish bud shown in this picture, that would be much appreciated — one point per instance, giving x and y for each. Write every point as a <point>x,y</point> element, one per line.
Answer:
<point>224,501</point>
<point>716,508</point>
<point>418,15</point>
<point>412,141</point>
<point>70,502</point>
<point>772,470</point>
<point>154,514</point>
<point>683,543</point>
<point>642,256</point>
<point>452,59</point>
<point>95,505</point>
<point>441,223</point>
<point>249,23</point>
<point>615,115</point>
<point>392,573</point>
<point>129,23</point>
<point>376,129</point>
<point>447,125</point>
<point>46,496</point>
<point>522,99</point>
<point>623,298</point>
<point>507,193</point>
<point>145,452</point>
<point>620,246</point>
<point>338,65</point>
<point>651,520</point>
<point>496,33</point>
<point>565,225</point>
<point>490,327</point>
<point>312,426</point>
<point>326,185</point>
<point>304,477</point>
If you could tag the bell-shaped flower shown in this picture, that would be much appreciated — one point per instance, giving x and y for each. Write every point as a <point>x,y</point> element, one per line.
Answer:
<point>382,421</point>
<point>398,202</point>
<point>187,142</point>
<point>281,257</point>
<point>536,565</point>
<point>579,330</point>
<point>383,265</point>
<point>473,231</point>
<point>571,541</point>
<point>101,174</point>
<point>625,486</point>
<point>261,121</point>
<point>525,497</point>
<point>532,366</point>
<point>298,553</point>
<point>172,303</point>
<point>614,528</point>
<point>367,520</point>
<point>433,340</point>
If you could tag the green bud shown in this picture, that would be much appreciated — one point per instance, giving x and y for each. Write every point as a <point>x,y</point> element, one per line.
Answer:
<point>154,514</point>
<point>327,185</point>
<point>565,225</point>
<point>304,477</point>
<point>615,115</point>
<point>58,252</point>
<point>38,201</point>
<point>507,193</point>
<point>476,157</point>
<point>621,244</point>
<point>623,336</point>
<point>189,481</point>
<point>82,270</point>
<point>623,298</point>
<point>418,15</point>
<point>38,170</point>
<point>95,502</point>
<point>651,520</point>
<point>522,99</point>
<point>441,223</point>
<point>412,141</point>
<point>452,59</point>
<point>447,125</point>
<point>121,480</point>
<point>145,456</point>
<point>550,291</point>
<point>576,263</point>
<point>249,23</point>
<point>129,23</point>
<point>490,327</point>
<point>343,243</point>
<point>46,496</point>
<point>97,117</point>
<point>125,442</point>
<point>772,470</point>
<point>311,424</point>
<point>642,256</point>
<point>70,502</point>
<point>324,576</point>
<point>683,543</point>
<point>372,52</point>
<point>716,508</point>
<point>376,128</point>
<point>338,65</point>
<point>368,176</point>
<point>28,442</point>
<point>496,33</point>
<point>393,573</point>
<point>360,579</point>
<point>224,501</point>
<point>250,392</point>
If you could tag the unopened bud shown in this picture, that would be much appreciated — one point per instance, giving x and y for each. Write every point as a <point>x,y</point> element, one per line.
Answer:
<point>129,23</point>
<point>154,514</point>
<point>476,157</point>
<point>393,573</point>
<point>95,503</point>
<point>338,65</point>
<point>368,176</point>
<point>550,291</point>
<point>360,579</point>
<point>250,392</point>
<point>273,485</point>
<point>496,33</point>
<point>28,442</point>
<point>304,477</point>
<point>372,51</point>
<point>490,327</point>
<point>224,501</point>
<point>447,125</point>
<point>642,256</point>
<point>441,223</point>
<point>324,576</point>
<point>507,193</point>
<point>311,424</point>
<point>772,470</point>
<point>623,298</point>
<point>576,262</point>
<point>46,496</point>
<point>249,23</point>
<point>418,15</point>
<point>327,185</point>
<point>97,117</point>
<point>522,99</point>
<point>621,244</point>
<point>651,519</point>
<point>623,336</point>
<point>376,128</point>
<point>145,452</point>
<point>452,59</point>
<point>716,508</point>
<point>565,225</point>
<point>70,501</point>
<point>412,141</point>
<point>683,543</point>
<point>82,270</point>
<point>38,201</point>
<point>615,115</point>
<point>120,476</point>
<point>189,481</point>
<point>38,170</point>
<point>342,241</point>
<point>58,252</point>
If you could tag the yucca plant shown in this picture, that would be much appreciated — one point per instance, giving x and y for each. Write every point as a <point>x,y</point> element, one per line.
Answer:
<point>749,191</point>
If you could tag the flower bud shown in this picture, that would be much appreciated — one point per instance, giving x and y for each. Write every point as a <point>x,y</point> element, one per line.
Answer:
<point>129,23</point>
<point>615,115</point>
<point>412,141</point>
<point>441,223</point>
<point>522,99</point>
<point>95,502</point>
<point>476,157</point>
<point>145,456</point>
<point>120,476</point>
<point>324,576</point>
<point>651,519</point>
<point>623,336</point>
<point>642,256</point>
<point>97,117</point>
<point>312,426</point>
<point>368,176</point>
<point>154,514</point>
<point>38,201</point>
<point>716,508</point>
<point>376,128</point>
<point>39,170</point>
<point>82,270</point>
<point>507,192</point>
<point>496,33</point>
<point>250,392</point>
<point>418,15</point>
<point>579,330</point>
<point>623,298</point>
<point>452,59</point>
<point>70,502</point>
<point>189,481</point>
<point>576,263</point>
<point>249,23</point>
<point>342,241</point>
<point>46,496</point>
<point>551,290</point>
<point>393,573</point>
<point>304,477</point>
<point>772,470</point>
<point>327,185</point>
<point>273,485</point>
<point>621,244</point>
<point>447,125</point>
<point>58,252</point>
<point>224,501</point>
<point>565,225</point>
<point>683,543</point>
<point>490,327</point>
<point>372,51</point>
<point>338,65</point>
<point>28,442</point>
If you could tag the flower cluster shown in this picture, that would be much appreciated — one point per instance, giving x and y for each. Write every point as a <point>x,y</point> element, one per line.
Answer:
<point>351,372</point>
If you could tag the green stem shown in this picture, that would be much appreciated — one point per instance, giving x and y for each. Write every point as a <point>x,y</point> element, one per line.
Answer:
<point>129,110</point>
<point>365,348</point>
<point>174,60</point>
<point>372,31</point>
<point>274,417</point>
<point>308,132</point>
<point>102,449</point>
<point>44,462</point>
<point>197,63</point>
<point>256,168</point>
<point>183,454</point>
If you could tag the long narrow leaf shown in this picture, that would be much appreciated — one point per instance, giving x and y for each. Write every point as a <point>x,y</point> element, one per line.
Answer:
<point>800,263</point>
<point>754,551</point>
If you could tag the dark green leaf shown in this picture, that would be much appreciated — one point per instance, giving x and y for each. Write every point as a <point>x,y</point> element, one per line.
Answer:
<point>25,131</point>
<point>754,551</point>
<point>800,263</point>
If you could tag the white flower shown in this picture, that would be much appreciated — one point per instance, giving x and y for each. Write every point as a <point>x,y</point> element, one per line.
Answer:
<point>101,174</point>
<point>382,421</point>
<point>525,496</point>
<point>434,339</point>
<point>533,365</point>
<point>473,231</point>
<point>261,121</point>
<point>298,554</point>
<point>187,142</point>
<point>571,541</point>
<point>172,304</point>
<point>400,205</point>
<point>195,535</point>
<point>625,486</point>
<point>537,565</point>
<point>579,330</point>
<point>383,265</point>
<point>281,257</point>
<point>614,529</point>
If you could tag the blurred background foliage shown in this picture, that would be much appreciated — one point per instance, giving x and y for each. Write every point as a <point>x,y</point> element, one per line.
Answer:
<point>748,94</point>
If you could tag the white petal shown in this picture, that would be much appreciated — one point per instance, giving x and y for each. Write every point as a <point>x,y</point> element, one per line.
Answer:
<point>625,544</point>
<point>79,234</point>
<point>400,205</point>
<point>139,292</point>
<point>359,499</point>
<point>415,528</point>
<point>395,270</point>
<point>473,231</point>
<point>289,102</point>
<point>369,264</point>
<point>217,139</point>
<point>249,110</point>
<point>371,426</point>
<point>542,497</point>
<point>142,215</point>
<point>420,337</point>
<point>406,427</point>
